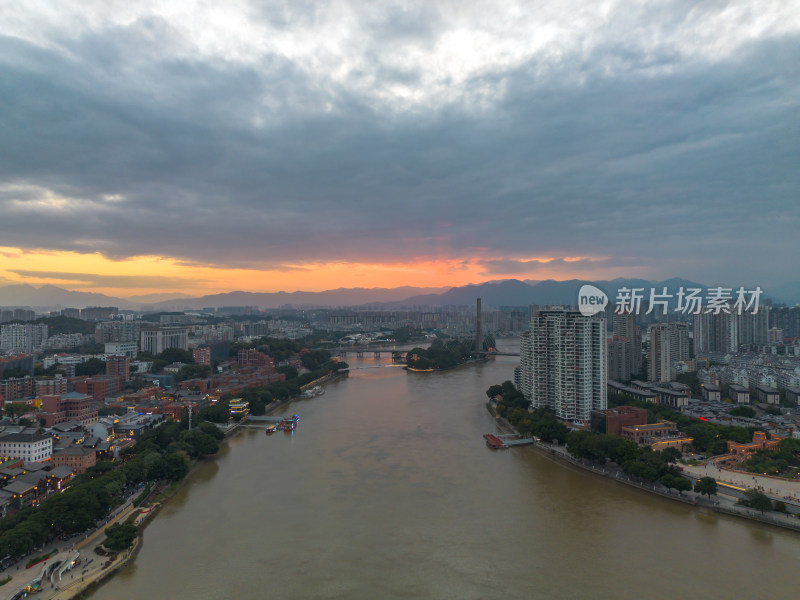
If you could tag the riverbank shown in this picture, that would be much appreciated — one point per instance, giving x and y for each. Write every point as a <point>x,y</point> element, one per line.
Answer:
<point>560,455</point>
<point>87,585</point>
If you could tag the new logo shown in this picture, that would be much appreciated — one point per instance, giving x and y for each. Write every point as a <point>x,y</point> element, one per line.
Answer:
<point>591,300</point>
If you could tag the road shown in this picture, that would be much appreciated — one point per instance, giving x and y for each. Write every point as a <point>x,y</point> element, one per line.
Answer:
<point>779,489</point>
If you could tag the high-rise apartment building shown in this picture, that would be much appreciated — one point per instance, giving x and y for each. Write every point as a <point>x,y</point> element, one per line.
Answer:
<point>117,331</point>
<point>157,340</point>
<point>625,348</point>
<point>22,337</point>
<point>563,363</point>
<point>787,319</point>
<point>729,331</point>
<point>668,345</point>
<point>659,359</point>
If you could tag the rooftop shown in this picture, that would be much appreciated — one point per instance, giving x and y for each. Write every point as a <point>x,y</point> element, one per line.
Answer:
<point>24,437</point>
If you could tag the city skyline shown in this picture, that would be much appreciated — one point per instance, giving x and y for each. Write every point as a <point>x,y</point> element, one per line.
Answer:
<point>203,149</point>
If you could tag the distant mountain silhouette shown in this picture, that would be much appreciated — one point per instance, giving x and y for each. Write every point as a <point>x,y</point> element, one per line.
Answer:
<point>331,298</point>
<point>510,292</point>
<point>507,292</point>
<point>513,292</point>
<point>54,297</point>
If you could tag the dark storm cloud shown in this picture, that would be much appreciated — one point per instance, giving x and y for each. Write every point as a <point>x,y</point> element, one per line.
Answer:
<point>121,140</point>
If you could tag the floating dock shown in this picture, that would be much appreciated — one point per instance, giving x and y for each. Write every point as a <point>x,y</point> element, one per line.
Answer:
<point>503,441</point>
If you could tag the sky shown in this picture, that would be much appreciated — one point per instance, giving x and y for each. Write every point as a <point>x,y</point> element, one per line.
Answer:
<point>199,147</point>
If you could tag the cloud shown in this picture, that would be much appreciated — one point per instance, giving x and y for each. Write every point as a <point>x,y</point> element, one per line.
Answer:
<point>297,133</point>
<point>508,266</point>
<point>90,280</point>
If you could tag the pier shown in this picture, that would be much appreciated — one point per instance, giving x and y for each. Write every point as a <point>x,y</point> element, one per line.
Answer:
<point>506,440</point>
<point>260,422</point>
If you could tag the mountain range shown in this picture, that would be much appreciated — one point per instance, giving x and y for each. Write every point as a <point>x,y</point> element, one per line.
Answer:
<point>508,292</point>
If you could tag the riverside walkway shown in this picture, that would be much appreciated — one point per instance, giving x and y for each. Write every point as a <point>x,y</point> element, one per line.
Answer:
<point>57,586</point>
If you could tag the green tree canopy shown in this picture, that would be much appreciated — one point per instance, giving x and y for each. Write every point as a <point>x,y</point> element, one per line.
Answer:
<point>706,485</point>
<point>91,367</point>
<point>288,370</point>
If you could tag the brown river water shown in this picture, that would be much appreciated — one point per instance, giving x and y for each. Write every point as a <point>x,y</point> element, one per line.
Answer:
<point>386,490</point>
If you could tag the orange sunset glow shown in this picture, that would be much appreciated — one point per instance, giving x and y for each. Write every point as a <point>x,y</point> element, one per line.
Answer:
<point>153,274</point>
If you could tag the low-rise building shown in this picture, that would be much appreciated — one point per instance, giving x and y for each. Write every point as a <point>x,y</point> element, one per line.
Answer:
<point>739,394</point>
<point>711,392</point>
<point>624,416</point>
<point>634,393</point>
<point>793,396</point>
<point>33,447</point>
<point>74,406</point>
<point>649,433</point>
<point>77,458</point>
<point>673,398</point>
<point>5,503</point>
<point>131,426</point>
<point>760,442</point>
<point>23,493</point>
<point>768,395</point>
<point>679,443</point>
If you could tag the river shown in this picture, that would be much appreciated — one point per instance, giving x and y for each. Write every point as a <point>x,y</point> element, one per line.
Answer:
<point>387,490</point>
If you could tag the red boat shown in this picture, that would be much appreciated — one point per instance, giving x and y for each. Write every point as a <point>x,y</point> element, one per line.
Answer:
<point>494,442</point>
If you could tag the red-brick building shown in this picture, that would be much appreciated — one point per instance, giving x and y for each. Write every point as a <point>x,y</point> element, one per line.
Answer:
<point>624,416</point>
<point>178,411</point>
<point>17,388</point>
<point>67,407</point>
<point>98,387</point>
<point>201,385</point>
<point>254,358</point>
<point>119,365</point>
<point>52,386</point>
<point>202,355</point>
<point>78,459</point>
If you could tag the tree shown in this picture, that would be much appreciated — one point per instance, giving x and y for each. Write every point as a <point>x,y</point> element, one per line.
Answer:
<point>691,380</point>
<point>93,366</point>
<point>289,371</point>
<point>668,481</point>
<point>681,484</point>
<point>192,372</point>
<point>173,355</point>
<point>15,372</point>
<point>216,413</point>
<point>757,500</point>
<point>780,506</point>
<point>742,411</point>
<point>120,536</point>
<point>16,409</point>
<point>212,430</point>
<point>707,486</point>
<point>315,359</point>
<point>671,454</point>
<point>493,391</point>
<point>203,444</point>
